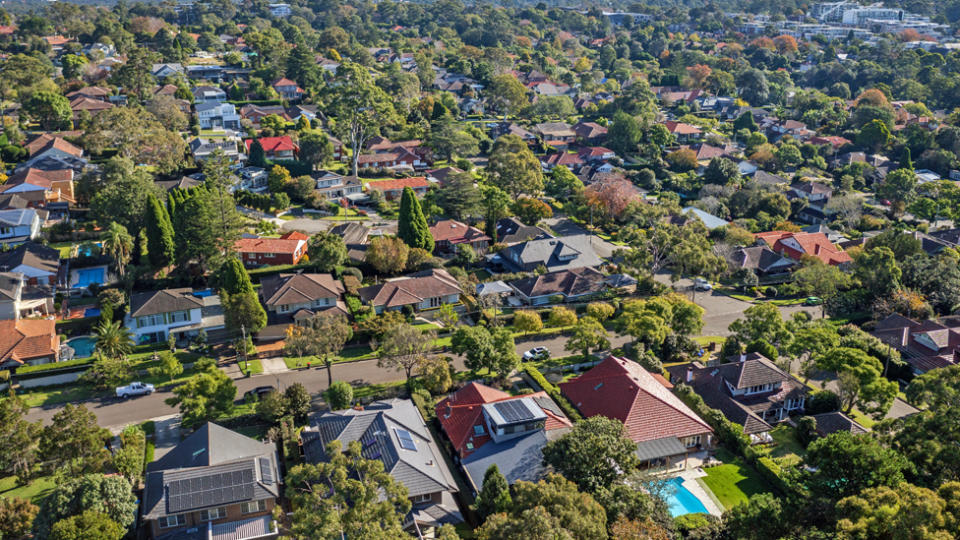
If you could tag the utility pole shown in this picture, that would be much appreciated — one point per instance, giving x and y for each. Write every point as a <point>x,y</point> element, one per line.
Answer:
<point>243,346</point>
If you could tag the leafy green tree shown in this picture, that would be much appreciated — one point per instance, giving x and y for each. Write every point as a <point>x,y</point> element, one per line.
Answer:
<point>205,396</point>
<point>73,65</point>
<point>904,511</point>
<point>448,139</point>
<point>846,464</point>
<point>169,367</point>
<point>360,107</point>
<point>762,322</point>
<point>754,87</point>
<point>861,380</point>
<point>589,333</point>
<point>600,311</point>
<point>135,74</point>
<point>107,373</point>
<point>113,340</point>
<point>507,94</point>
<point>315,148</point>
<point>815,278</point>
<point>387,254</point>
<point>243,311</point>
<point>107,495</point>
<point>278,178</point>
<point>90,525</point>
<point>51,109</point>
<point>900,188</point>
<point>136,135</point>
<point>484,348</point>
<point>495,204</point>
<point>593,454</point>
<point>330,333</point>
<point>460,197</point>
<point>745,121</point>
<point>339,395</point>
<point>412,226</point>
<point>527,321</point>
<point>348,495</point>
<point>760,518</point>
<point>531,211</point>
<point>624,133</point>
<point>722,171</point>
<point>19,439</point>
<point>561,183</point>
<point>513,168</point>
<point>874,135</point>
<point>327,251</point>
<point>16,517</point>
<point>118,244</point>
<point>810,342</point>
<point>404,347</point>
<point>877,271</point>
<point>561,316</point>
<point>233,277</point>
<point>161,247</point>
<point>129,459</point>
<point>272,407</point>
<point>122,197</point>
<point>258,157</point>
<point>494,495</point>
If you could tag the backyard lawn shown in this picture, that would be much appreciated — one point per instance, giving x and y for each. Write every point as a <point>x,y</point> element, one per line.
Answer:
<point>734,481</point>
<point>788,450</point>
<point>35,490</point>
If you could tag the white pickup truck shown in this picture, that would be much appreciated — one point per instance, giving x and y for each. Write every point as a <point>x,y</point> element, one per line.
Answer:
<point>134,389</point>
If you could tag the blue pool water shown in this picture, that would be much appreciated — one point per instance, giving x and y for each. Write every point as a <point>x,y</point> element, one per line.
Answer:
<point>681,501</point>
<point>86,276</point>
<point>82,346</point>
<point>91,312</point>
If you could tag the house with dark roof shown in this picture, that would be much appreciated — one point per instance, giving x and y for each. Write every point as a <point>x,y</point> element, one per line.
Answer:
<point>182,313</point>
<point>488,427</point>
<point>925,345</point>
<point>571,285</point>
<point>554,254</point>
<point>749,390</point>
<point>394,433</point>
<point>512,231</point>
<point>18,299</point>
<point>834,422</point>
<point>39,264</point>
<point>297,298</point>
<point>450,233</point>
<point>761,259</point>
<point>428,289</point>
<point>215,485</point>
<point>335,186</point>
<point>53,152</point>
<point>665,429</point>
<point>263,251</point>
<point>28,342</point>
<point>590,132</point>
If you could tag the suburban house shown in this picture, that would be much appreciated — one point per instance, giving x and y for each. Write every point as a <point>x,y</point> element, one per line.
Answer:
<point>288,90</point>
<point>590,132</point>
<point>684,133</point>
<point>428,289</point>
<point>40,187</point>
<point>251,179</point>
<point>82,105</point>
<point>162,71</point>
<point>201,148</point>
<point>216,484</point>
<point>19,300</point>
<point>394,433</point>
<point>28,342</point>
<point>762,260</point>
<point>555,132</point>
<point>450,233</point>
<point>336,186</point>
<point>288,249</point>
<point>18,225</point>
<point>797,244</point>
<point>295,298</point>
<point>182,313</point>
<point>281,147</point>
<point>39,264</point>
<point>833,422</point>
<point>554,254</point>
<point>925,345</point>
<point>209,72</point>
<point>392,189</point>
<point>402,158</point>
<point>709,220</point>
<point>216,115</point>
<point>666,431</point>
<point>750,390</point>
<point>488,427</point>
<point>208,94</point>
<point>52,152</point>
<point>513,231</point>
<point>571,285</point>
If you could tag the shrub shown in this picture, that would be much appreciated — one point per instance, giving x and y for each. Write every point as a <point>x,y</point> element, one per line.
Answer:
<point>561,316</point>
<point>771,292</point>
<point>339,395</point>
<point>821,402</point>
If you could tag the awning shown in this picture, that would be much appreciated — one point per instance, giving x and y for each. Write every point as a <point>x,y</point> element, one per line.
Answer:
<point>660,448</point>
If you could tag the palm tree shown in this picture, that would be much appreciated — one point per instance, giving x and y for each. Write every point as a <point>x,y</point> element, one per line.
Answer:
<point>113,340</point>
<point>118,243</point>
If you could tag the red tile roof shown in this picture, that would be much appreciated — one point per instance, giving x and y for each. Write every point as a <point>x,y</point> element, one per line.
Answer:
<point>284,82</point>
<point>274,144</point>
<point>46,141</point>
<point>295,235</point>
<point>679,128</point>
<point>27,339</point>
<point>622,389</point>
<point>461,411</point>
<point>456,232</point>
<point>269,245</point>
<point>415,182</point>
<point>798,244</point>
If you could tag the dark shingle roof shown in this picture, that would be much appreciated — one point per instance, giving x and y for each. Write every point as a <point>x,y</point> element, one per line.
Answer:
<point>165,301</point>
<point>833,422</point>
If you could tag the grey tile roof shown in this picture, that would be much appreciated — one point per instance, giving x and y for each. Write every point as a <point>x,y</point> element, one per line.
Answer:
<point>164,301</point>
<point>574,282</point>
<point>17,217</point>
<point>422,470</point>
<point>512,230</point>
<point>833,422</point>
<point>211,445</point>
<point>33,255</point>
<point>548,252</point>
<point>658,448</point>
<point>299,288</point>
<point>518,459</point>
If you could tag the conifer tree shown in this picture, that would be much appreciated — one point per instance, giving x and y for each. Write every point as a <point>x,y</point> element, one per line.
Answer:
<point>233,277</point>
<point>494,495</point>
<point>412,225</point>
<point>160,244</point>
<point>257,157</point>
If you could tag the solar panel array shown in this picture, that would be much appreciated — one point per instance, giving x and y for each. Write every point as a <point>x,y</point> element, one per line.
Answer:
<point>513,411</point>
<point>266,471</point>
<point>209,490</point>
<point>406,440</point>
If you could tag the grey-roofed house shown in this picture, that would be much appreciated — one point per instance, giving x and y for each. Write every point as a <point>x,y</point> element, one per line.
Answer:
<point>833,422</point>
<point>215,485</point>
<point>428,289</point>
<point>183,313</point>
<point>393,432</point>
<point>39,264</point>
<point>18,226</point>
<point>554,254</point>
<point>512,231</point>
<point>762,260</point>
<point>296,298</point>
<point>749,390</point>
<point>572,285</point>
<point>709,220</point>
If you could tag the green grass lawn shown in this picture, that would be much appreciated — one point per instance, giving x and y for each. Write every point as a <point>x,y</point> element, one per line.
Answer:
<point>254,367</point>
<point>65,249</point>
<point>734,481</point>
<point>861,418</point>
<point>57,396</point>
<point>425,326</point>
<point>788,450</point>
<point>375,390</point>
<point>34,491</point>
<point>706,340</point>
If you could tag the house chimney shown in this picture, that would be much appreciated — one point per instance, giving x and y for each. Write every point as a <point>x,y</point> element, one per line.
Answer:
<point>689,373</point>
<point>743,357</point>
<point>816,249</point>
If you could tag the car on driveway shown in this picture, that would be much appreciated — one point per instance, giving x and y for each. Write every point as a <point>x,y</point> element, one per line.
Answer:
<point>258,393</point>
<point>536,353</point>
<point>701,284</point>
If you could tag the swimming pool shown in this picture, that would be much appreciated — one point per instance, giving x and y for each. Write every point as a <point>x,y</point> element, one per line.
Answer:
<point>82,346</point>
<point>86,276</point>
<point>681,501</point>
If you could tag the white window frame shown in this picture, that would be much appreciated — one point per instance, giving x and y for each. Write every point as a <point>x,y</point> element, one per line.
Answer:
<point>208,514</point>
<point>260,506</point>
<point>178,521</point>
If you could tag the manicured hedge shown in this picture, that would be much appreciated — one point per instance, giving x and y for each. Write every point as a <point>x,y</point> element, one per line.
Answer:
<point>54,366</point>
<point>729,433</point>
<point>553,392</point>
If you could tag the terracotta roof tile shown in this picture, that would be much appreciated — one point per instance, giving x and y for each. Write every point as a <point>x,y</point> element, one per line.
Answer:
<point>26,339</point>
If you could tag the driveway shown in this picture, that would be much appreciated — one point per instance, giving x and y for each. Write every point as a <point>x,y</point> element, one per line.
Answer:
<point>564,227</point>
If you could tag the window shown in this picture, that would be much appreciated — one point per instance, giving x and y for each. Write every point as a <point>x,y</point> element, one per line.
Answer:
<point>690,442</point>
<point>212,514</point>
<point>435,301</point>
<point>421,498</point>
<point>406,440</point>
<point>179,316</point>
<point>172,521</point>
<point>255,506</point>
<point>478,429</point>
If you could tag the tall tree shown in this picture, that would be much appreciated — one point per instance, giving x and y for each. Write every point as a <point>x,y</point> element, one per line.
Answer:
<point>118,243</point>
<point>507,94</point>
<point>108,495</point>
<point>315,148</point>
<point>16,517</point>
<point>387,254</point>
<point>51,109</point>
<point>411,224</point>
<point>625,133</point>
<point>233,277</point>
<point>331,333</point>
<point>243,312</point>
<point>589,333</point>
<point>459,197</point>
<point>361,107</point>
<point>494,494</point>
<point>73,441</point>
<point>257,156</point>
<point>861,380</point>
<point>160,243</point>
<point>90,525</point>
<point>513,168</point>
<point>113,340</point>
<point>19,439</point>
<point>404,347</point>
<point>491,349</point>
<point>845,464</point>
<point>135,74</point>
<point>495,204</point>
<point>122,196</point>
<point>594,454</point>
<point>205,396</point>
<point>347,496</point>
<point>327,251</point>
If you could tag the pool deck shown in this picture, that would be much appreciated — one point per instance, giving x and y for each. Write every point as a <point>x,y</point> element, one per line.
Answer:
<point>694,485</point>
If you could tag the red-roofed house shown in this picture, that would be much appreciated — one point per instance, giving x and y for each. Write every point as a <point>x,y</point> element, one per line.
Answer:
<point>288,249</point>
<point>288,90</point>
<point>28,341</point>
<point>666,431</point>
<point>392,189</point>
<point>450,233</point>
<point>798,244</point>
<point>683,132</point>
<point>487,426</point>
<point>281,147</point>
<point>834,141</point>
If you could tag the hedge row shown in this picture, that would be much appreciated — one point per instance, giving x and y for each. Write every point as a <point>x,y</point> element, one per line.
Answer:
<point>553,392</point>
<point>77,364</point>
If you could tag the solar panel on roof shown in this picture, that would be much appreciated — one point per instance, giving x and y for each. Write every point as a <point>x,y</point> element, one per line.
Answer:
<point>266,471</point>
<point>513,411</point>
<point>210,490</point>
<point>406,440</point>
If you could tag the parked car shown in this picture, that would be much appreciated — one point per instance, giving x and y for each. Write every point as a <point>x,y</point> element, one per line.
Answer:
<point>258,392</point>
<point>134,389</point>
<point>813,301</point>
<point>701,284</point>
<point>536,353</point>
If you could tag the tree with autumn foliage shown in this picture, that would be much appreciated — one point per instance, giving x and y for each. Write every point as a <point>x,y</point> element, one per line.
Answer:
<point>786,44</point>
<point>698,74</point>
